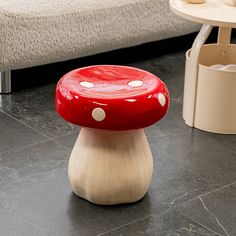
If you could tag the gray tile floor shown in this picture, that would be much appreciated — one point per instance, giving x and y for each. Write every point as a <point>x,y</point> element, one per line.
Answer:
<point>193,191</point>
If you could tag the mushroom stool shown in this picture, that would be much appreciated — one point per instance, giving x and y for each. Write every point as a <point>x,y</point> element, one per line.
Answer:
<point>111,161</point>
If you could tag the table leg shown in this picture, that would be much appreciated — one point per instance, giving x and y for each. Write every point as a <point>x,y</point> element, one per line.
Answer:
<point>224,35</point>
<point>189,104</point>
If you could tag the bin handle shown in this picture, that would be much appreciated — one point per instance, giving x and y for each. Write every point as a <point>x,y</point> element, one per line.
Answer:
<point>190,95</point>
<point>224,35</point>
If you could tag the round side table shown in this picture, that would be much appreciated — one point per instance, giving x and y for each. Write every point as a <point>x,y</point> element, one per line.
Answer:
<point>209,91</point>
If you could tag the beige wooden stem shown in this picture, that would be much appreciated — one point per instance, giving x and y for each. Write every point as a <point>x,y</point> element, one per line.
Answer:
<point>110,167</point>
<point>191,82</point>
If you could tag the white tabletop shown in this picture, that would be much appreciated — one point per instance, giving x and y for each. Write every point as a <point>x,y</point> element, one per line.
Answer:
<point>213,12</point>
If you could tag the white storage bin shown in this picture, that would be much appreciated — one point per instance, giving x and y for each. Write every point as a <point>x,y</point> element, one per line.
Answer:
<point>215,109</point>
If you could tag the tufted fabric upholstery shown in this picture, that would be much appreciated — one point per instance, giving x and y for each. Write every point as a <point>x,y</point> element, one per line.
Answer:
<point>35,32</point>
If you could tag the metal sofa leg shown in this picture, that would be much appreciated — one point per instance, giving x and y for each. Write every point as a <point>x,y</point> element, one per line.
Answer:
<point>5,82</point>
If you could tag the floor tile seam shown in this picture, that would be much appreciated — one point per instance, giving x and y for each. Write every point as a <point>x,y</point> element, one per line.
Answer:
<point>11,211</point>
<point>64,135</point>
<point>46,136</point>
<point>124,225</point>
<point>217,189</point>
<point>202,195</point>
<point>213,216</point>
<point>204,226</point>
<point>64,146</point>
<point>25,146</point>
<point>28,126</point>
<point>36,130</point>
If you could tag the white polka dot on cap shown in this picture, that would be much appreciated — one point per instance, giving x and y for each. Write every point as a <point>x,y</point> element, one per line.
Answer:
<point>161,99</point>
<point>98,114</point>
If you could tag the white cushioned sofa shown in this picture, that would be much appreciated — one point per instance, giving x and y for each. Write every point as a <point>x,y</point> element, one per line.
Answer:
<point>36,32</point>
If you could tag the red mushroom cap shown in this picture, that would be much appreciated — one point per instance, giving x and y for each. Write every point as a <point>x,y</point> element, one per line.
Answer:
<point>111,97</point>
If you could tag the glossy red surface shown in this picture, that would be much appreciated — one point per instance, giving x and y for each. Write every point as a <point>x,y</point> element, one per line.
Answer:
<point>111,97</point>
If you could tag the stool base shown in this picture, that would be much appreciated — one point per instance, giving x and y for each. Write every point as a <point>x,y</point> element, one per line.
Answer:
<point>111,167</point>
